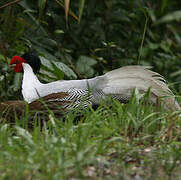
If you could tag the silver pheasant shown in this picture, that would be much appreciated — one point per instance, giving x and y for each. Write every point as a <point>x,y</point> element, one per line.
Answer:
<point>118,83</point>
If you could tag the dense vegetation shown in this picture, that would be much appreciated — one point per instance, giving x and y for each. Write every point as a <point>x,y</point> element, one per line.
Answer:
<point>122,142</point>
<point>127,142</point>
<point>110,34</point>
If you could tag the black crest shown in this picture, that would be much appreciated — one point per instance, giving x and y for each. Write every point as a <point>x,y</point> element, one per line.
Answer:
<point>33,60</point>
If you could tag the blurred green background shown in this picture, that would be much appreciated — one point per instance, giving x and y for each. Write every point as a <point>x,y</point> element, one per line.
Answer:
<point>97,36</point>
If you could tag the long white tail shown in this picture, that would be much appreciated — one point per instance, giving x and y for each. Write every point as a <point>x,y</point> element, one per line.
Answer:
<point>122,81</point>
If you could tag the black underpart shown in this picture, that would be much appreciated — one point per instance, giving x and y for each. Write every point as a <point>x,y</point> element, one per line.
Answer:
<point>33,60</point>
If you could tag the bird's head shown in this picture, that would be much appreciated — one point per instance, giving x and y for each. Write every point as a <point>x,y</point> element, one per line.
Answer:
<point>30,58</point>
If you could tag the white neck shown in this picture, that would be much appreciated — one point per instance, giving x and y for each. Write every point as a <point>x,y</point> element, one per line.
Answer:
<point>30,84</point>
<point>33,89</point>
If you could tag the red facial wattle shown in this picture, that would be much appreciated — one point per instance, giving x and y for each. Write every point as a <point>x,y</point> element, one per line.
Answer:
<point>18,61</point>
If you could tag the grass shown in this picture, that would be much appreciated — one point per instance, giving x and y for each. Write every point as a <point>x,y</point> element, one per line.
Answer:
<point>114,142</point>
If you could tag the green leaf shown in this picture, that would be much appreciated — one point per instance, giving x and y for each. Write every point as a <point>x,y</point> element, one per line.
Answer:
<point>17,81</point>
<point>59,74</point>
<point>170,17</point>
<point>56,70</point>
<point>153,46</point>
<point>84,65</point>
<point>59,31</point>
<point>41,5</point>
<point>177,73</point>
<point>81,8</point>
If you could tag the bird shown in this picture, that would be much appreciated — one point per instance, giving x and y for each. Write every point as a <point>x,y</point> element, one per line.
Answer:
<point>118,83</point>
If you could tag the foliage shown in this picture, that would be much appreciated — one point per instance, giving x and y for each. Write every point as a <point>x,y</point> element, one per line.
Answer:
<point>114,142</point>
<point>98,36</point>
<point>82,40</point>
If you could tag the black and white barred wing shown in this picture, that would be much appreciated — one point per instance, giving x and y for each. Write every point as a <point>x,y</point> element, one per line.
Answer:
<point>74,98</point>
